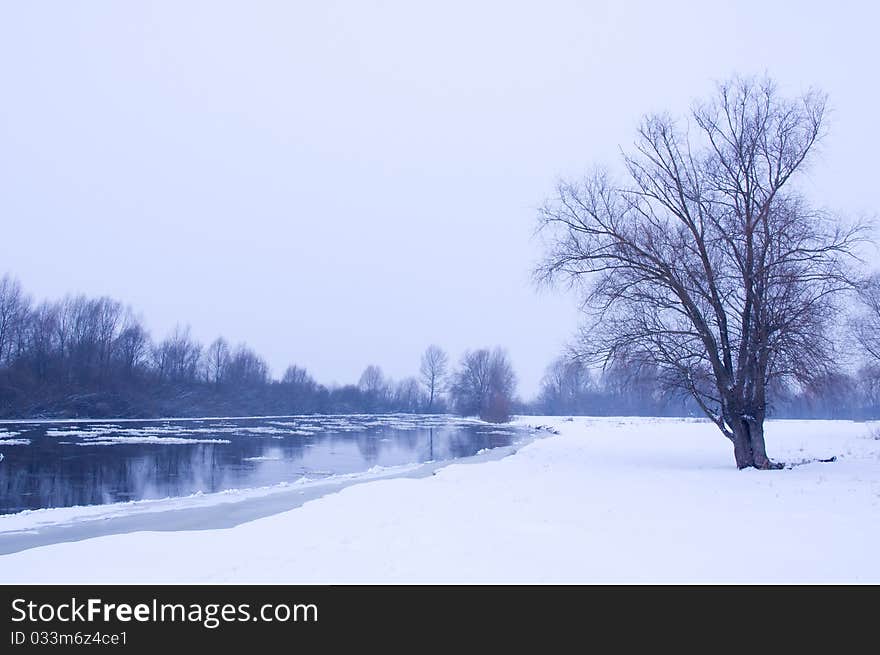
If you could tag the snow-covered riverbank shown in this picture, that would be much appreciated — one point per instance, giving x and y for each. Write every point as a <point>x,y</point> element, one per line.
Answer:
<point>606,500</point>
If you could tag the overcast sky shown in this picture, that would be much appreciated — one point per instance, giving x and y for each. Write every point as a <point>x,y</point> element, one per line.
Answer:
<point>344,183</point>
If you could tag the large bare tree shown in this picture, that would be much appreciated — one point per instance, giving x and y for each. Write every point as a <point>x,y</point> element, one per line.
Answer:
<point>706,263</point>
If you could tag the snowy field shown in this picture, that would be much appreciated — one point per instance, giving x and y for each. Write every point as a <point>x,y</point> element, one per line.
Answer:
<point>611,500</point>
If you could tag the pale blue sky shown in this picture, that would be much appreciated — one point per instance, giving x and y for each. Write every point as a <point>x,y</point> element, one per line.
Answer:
<point>343,183</point>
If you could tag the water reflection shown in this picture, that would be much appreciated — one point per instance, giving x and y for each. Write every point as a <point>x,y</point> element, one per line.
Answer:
<point>65,464</point>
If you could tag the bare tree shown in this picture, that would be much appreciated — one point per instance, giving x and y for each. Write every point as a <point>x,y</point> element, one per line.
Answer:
<point>636,386</point>
<point>433,371</point>
<point>176,358</point>
<point>297,376</point>
<point>705,263</point>
<point>132,345</point>
<point>566,385</point>
<point>867,324</point>
<point>484,385</point>
<point>14,307</point>
<point>408,396</point>
<point>246,368</point>
<point>372,381</point>
<point>87,330</point>
<point>217,361</point>
<point>300,388</point>
<point>374,387</point>
<point>42,347</point>
<point>868,380</point>
<point>109,317</point>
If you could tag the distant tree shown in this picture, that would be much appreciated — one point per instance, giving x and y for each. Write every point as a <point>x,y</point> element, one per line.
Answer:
<point>635,387</point>
<point>86,333</point>
<point>217,358</point>
<point>14,308</point>
<point>301,390</point>
<point>373,386</point>
<point>296,375</point>
<point>110,318</point>
<point>484,385</point>
<point>470,383</point>
<point>372,381</point>
<point>433,372</point>
<point>347,399</point>
<point>132,346</point>
<point>408,396</point>
<point>246,368</point>
<point>706,263</point>
<point>567,386</point>
<point>832,395</point>
<point>868,381</point>
<point>867,322</point>
<point>42,352</point>
<point>177,357</point>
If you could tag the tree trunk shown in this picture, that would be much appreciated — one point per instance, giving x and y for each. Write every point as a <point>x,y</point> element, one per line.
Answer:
<point>759,452</point>
<point>748,445</point>
<point>742,445</point>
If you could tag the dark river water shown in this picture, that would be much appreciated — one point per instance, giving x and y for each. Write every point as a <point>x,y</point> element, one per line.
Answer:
<point>62,464</point>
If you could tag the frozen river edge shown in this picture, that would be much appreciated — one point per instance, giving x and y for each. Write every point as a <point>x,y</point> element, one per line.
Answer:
<point>209,511</point>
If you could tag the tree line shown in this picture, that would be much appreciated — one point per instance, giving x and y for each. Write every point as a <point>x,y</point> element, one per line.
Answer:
<point>626,388</point>
<point>93,357</point>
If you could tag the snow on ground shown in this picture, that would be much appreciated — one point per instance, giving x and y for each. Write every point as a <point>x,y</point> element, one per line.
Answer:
<point>607,500</point>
